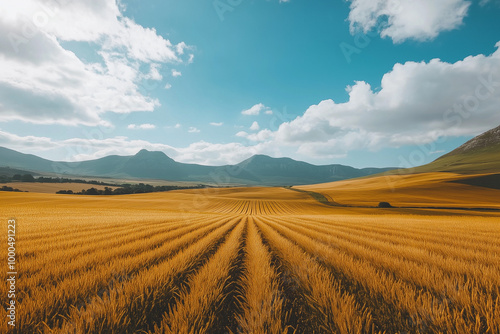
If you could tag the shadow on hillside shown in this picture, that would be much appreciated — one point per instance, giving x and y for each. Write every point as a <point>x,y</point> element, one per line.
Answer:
<point>487,181</point>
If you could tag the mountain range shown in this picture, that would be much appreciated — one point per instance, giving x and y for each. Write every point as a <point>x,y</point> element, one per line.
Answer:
<point>479,155</point>
<point>257,170</point>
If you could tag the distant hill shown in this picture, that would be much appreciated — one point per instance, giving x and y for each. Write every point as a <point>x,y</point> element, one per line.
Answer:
<point>257,170</point>
<point>10,172</point>
<point>479,155</point>
<point>288,171</point>
<point>14,159</point>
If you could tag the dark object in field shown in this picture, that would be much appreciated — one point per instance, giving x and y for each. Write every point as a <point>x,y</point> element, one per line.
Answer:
<point>385,205</point>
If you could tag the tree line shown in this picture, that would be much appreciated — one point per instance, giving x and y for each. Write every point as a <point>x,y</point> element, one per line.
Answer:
<point>43,179</point>
<point>126,189</point>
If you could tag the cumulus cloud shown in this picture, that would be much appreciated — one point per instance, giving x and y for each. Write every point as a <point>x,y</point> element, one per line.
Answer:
<point>255,126</point>
<point>141,127</point>
<point>176,73</point>
<point>192,129</point>
<point>417,104</point>
<point>407,19</point>
<point>36,67</point>
<point>256,110</point>
<point>216,124</point>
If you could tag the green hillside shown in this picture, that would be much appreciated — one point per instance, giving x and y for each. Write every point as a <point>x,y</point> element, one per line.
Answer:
<point>479,155</point>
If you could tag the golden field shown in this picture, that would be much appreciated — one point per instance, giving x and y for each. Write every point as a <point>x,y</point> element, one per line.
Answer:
<point>420,190</point>
<point>259,260</point>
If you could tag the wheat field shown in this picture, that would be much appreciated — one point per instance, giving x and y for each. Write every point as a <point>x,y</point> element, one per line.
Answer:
<point>255,260</point>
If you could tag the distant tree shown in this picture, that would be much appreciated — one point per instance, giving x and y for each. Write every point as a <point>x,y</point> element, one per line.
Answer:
<point>108,191</point>
<point>17,177</point>
<point>385,205</point>
<point>27,178</point>
<point>5,188</point>
<point>92,191</point>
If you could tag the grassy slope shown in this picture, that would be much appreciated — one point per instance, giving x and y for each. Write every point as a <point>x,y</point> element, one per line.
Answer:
<point>485,160</point>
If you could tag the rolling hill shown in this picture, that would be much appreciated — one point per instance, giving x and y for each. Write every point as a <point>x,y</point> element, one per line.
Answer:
<point>467,177</point>
<point>479,155</point>
<point>257,170</point>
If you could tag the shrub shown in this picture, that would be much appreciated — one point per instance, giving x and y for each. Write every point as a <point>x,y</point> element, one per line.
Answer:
<point>385,205</point>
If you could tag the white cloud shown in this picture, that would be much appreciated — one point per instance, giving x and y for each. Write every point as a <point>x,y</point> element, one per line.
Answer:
<point>192,129</point>
<point>78,149</point>
<point>191,59</point>
<point>44,83</point>
<point>176,73</point>
<point>141,127</point>
<point>216,124</point>
<point>417,104</point>
<point>154,73</point>
<point>181,47</point>
<point>407,19</point>
<point>269,112</point>
<point>168,86</point>
<point>255,126</point>
<point>177,126</point>
<point>261,136</point>
<point>265,135</point>
<point>483,3</point>
<point>26,142</point>
<point>255,110</point>
<point>221,154</point>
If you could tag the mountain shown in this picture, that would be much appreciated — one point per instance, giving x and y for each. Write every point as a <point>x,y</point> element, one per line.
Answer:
<point>257,170</point>
<point>288,171</point>
<point>479,155</point>
<point>14,159</point>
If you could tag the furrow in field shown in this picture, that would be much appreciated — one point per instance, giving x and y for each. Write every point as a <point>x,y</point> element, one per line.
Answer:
<point>62,240</point>
<point>85,248</point>
<point>139,304</point>
<point>463,284</point>
<point>72,230</point>
<point>262,303</point>
<point>409,259</point>
<point>83,294</point>
<point>424,311</point>
<point>479,251</point>
<point>197,306</point>
<point>105,255</point>
<point>332,310</point>
<point>417,227</point>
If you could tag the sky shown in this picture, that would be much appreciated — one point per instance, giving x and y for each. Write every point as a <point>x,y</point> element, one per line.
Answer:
<point>366,83</point>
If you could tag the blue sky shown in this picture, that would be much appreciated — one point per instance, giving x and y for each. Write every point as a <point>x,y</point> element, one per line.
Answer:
<point>363,83</point>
